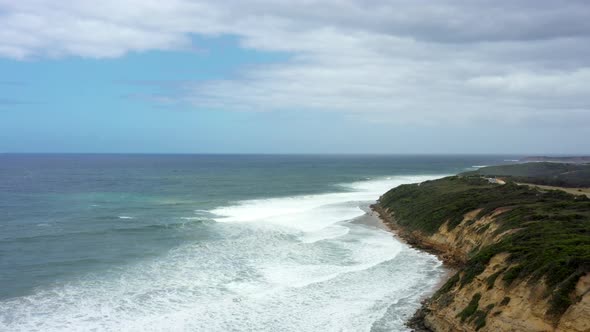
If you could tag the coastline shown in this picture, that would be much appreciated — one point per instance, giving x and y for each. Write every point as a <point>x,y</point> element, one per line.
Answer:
<point>384,221</point>
<point>491,236</point>
<point>411,239</point>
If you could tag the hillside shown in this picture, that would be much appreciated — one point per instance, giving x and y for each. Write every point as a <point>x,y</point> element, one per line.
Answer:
<point>543,173</point>
<point>524,255</point>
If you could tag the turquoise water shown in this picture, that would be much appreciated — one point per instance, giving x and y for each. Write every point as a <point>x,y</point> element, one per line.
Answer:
<point>208,242</point>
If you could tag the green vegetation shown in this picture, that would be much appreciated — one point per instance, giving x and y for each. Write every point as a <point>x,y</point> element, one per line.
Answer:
<point>471,313</point>
<point>426,206</point>
<point>542,173</point>
<point>471,308</point>
<point>549,238</point>
<point>492,279</point>
<point>479,317</point>
<point>505,301</point>
<point>512,274</point>
<point>448,285</point>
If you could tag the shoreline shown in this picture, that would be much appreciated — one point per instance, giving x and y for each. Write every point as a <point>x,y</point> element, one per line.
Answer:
<point>490,234</point>
<point>416,322</point>
<point>409,239</point>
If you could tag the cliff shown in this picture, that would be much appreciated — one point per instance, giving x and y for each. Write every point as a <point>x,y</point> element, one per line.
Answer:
<point>523,256</point>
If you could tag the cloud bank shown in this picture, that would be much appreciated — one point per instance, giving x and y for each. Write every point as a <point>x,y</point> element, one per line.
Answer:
<point>409,62</point>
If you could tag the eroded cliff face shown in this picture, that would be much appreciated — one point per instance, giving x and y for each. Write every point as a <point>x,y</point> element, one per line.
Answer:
<point>520,306</point>
<point>491,301</point>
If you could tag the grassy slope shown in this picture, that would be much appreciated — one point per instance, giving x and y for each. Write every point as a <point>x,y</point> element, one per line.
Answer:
<point>573,191</point>
<point>544,173</point>
<point>552,241</point>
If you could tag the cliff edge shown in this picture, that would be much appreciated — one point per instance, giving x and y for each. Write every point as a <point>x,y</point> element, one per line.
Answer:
<point>522,255</point>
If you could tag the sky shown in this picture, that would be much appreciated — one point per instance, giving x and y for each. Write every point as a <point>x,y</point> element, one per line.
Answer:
<point>274,76</point>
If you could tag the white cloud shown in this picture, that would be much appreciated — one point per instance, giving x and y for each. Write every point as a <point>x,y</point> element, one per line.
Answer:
<point>414,61</point>
<point>553,84</point>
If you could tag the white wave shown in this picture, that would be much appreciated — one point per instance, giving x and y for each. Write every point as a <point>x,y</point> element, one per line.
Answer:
<point>375,188</point>
<point>364,249</point>
<point>479,166</point>
<point>327,233</point>
<point>279,264</point>
<point>125,217</point>
<point>190,291</point>
<point>312,212</point>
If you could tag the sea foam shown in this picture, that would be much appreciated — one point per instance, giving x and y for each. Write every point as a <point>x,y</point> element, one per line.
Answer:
<point>277,264</point>
<point>312,212</point>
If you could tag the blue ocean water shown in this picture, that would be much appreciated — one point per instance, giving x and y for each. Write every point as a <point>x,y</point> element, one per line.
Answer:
<point>208,242</point>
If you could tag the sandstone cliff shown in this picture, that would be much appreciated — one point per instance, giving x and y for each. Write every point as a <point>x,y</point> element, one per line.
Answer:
<point>497,296</point>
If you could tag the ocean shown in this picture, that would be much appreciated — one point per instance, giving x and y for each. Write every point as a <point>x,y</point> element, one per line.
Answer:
<point>98,242</point>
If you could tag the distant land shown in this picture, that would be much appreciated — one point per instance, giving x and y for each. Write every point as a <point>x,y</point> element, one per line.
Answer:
<point>521,252</point>
<point>572,159</point>
<point>570,175</point>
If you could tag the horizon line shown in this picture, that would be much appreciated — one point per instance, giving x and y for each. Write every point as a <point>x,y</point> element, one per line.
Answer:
<point>545,154</point>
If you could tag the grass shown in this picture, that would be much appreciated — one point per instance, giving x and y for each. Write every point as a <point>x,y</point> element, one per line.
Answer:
<point>574,190</point>
<point>549,238</point>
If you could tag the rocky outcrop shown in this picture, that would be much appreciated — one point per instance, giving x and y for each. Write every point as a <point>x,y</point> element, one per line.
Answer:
<point>493,300</point>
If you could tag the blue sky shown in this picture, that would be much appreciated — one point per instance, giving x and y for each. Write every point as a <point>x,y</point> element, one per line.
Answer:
<point>271,77</point>
<point>104,105</point>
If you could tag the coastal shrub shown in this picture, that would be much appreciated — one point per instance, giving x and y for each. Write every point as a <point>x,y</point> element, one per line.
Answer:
<point>479,318</point>
<point>542,173</point>
<point>505,301</point>
<point>477,264</point>
<point>474,251</point>
<point>546,233</point>
<point>562,297</point>
<point>471,308</point>
<point>450,284</point>
<point>483,229</point>
<point>512,274</point>
<point>491,280</point>
<point>472,271</point>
